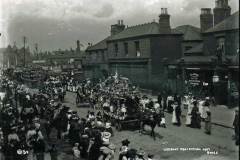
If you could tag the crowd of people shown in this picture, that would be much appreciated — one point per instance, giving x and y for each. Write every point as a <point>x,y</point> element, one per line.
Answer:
<point>197,111</point>
<point>27,120</point>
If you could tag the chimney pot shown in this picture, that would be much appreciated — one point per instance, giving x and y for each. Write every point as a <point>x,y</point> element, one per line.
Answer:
<point>164,11</point>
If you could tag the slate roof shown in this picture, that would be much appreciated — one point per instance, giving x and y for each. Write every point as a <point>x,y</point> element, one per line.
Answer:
<point>197,49</point>
<point>230,23</point>
<point>100,45</point>
<point>140,30</point>
<point>190,32</point>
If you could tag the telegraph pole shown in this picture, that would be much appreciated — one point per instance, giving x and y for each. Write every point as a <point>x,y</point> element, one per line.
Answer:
<point>36,50</point>
<point>24,54</point>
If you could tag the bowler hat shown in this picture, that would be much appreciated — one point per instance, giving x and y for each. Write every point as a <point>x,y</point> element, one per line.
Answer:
<point>125,142</point>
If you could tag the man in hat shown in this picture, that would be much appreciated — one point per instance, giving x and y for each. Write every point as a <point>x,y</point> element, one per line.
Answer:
<point>150,157</point>
<point>140,154</point>
<point>236,126</point>
<point>124,149</point>
<point>108,128</point>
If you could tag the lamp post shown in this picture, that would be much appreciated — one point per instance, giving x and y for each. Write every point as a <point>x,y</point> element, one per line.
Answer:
<point>24,50</point>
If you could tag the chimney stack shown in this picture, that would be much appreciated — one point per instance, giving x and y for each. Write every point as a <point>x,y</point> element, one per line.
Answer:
<point>221,11</point>
<point>206,19</point>
<point>117,28</point>
<point>164,21</point>
<point>78,46</point>
<point>121,22</point>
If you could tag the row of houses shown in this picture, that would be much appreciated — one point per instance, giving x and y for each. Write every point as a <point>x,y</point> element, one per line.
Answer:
<point>15,56</point>
<point>183,59</point>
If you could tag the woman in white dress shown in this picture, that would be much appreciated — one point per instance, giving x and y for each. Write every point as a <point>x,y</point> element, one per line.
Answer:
<point>189,115</point>
<point>174,118</point>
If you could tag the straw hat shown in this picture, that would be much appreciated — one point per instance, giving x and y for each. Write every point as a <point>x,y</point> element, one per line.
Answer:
<point>99,124</point>
<point>84,136</point>
<point>106,135</point>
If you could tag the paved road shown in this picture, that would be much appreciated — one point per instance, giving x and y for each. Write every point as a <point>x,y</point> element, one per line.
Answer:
<point>178,138</point>
<point>172,143</point>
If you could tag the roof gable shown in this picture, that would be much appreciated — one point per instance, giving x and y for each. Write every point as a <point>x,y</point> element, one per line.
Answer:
<point>98,46</point>
<point>190,32</point>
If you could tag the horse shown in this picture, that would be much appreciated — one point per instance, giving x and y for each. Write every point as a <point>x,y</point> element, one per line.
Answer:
<point>59,122</point>
<point>150,119</point>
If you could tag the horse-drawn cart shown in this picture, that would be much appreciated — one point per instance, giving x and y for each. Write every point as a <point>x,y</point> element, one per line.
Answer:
<point>121,122</point>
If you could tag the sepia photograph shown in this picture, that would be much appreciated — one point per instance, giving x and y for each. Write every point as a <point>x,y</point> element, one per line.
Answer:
<point>119,80</point>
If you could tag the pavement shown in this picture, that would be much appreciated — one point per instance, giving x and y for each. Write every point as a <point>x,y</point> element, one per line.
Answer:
<point>223,116</point>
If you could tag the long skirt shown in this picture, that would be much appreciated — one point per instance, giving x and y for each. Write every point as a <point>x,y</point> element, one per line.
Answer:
<point>188,119</point>
<point>208,127</point>
<point>174,118</point>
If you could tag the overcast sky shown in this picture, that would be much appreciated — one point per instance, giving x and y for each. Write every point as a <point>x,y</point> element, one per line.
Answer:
<point>55,24</point>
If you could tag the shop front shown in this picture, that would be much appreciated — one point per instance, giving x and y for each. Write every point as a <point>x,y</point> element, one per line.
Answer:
<point>198,81</point>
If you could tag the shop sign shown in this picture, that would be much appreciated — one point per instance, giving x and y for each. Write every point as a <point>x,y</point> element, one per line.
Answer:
<point>194,79</point>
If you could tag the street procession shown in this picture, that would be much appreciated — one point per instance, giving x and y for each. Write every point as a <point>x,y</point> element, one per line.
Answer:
<point>32,119</point>
<point>119,80</point>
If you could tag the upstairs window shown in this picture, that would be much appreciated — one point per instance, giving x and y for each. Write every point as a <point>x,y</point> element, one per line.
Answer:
<point>116,49</point>
<point>126,48</point>
<point>137,47</point>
